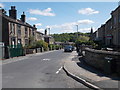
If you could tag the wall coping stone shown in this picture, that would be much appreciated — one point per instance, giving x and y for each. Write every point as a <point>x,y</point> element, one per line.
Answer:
<point>103,52</point>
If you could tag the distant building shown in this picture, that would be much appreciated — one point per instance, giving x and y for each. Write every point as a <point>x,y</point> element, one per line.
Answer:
<point>91,35</point>
<point>108,33</point>
<point>39,36</point>
<point>48,39</point>
<point>101,34</point>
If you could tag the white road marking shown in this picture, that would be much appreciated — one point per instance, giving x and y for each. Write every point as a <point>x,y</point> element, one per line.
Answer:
<point>59,70</point>
<point>46,59</point>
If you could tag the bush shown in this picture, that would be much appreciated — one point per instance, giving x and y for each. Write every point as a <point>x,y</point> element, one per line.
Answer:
<point>45,46</point>
<point>38,44</point>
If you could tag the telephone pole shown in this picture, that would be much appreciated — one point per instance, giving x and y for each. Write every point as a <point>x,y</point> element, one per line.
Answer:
<point>77,31</point>
<point>49,30</point>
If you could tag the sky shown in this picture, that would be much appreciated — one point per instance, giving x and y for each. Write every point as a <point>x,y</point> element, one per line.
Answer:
<point>62,17</point>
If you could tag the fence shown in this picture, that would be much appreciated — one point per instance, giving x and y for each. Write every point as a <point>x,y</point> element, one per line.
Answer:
<point>15,50</point>
<point>1,50</point>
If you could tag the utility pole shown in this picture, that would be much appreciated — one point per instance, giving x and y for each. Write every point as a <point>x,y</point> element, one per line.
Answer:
<point>77,31</point>
<point>49,31</point>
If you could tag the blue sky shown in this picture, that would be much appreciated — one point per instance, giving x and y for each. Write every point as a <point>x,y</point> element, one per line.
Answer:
<point>62,17</point>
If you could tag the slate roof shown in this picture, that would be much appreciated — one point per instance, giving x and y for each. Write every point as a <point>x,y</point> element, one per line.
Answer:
<point>17,21</point>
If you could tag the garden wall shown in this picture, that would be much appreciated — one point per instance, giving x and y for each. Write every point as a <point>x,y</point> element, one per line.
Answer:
<point>97,58</point>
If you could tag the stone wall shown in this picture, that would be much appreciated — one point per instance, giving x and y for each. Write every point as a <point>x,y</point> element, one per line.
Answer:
<point>30,51</point>
<point>97,59</point>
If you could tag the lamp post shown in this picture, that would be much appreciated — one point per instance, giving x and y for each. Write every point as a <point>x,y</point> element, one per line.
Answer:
<point>77,30</point>
<point>77,45</point>
<point>49,30</point>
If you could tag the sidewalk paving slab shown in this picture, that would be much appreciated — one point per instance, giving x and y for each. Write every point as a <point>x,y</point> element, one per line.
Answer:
<point>79,69</point>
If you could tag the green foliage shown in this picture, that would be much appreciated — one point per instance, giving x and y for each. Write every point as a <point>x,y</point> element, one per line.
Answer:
<point>38,44</point>
<point>83,40</point>
<point>53,47</point>
<point>31,40</point>
<point>68,37</point>
<point>45,46</point>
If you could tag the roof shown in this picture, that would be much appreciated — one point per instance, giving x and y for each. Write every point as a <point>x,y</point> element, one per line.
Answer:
<point>39,32</point>
<point>17,21</point>
<point>115,9</point>
<point>48,36</point>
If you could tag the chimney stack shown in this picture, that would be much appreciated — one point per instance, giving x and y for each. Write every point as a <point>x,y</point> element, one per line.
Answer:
<point>34,26</point>
<point>23,17</point>
<point>45,31</point>
<point>2,11</point>
<point>13,12</point>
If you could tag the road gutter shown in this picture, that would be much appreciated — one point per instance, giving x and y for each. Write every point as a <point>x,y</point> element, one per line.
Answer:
<point>84,82</point>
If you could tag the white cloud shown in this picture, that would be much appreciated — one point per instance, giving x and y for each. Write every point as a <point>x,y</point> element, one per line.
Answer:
<point>1,5</point>
<point>87,11</point>
<point>86,30</point>
<point>32,19</point>
<point>69,27</point>
<point>46,12</point>
<point>86,21</point>
<point>38,24</point>
<point>71,24</point>
<point>41,30</point>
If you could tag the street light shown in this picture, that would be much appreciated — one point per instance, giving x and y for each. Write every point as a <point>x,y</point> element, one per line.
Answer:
<point>49,30</point>
<point>77,31</point>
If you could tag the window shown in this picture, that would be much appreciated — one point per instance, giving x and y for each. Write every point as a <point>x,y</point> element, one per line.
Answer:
<point>26,32</point>
<point>19,41</point>
<point>118,37</point>
<point>111,25</point>
<point>115,20</point>
<point>26,42</point>
<point>33,32</point>
<point>19,30</point>
<point>13,41</point>
<point>12,28</point>
<point>119,17</point>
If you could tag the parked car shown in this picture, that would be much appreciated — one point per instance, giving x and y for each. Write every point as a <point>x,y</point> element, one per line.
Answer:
<point>68,48</point>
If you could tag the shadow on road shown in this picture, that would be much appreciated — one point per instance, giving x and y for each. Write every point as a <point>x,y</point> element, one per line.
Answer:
<point>100,73</point>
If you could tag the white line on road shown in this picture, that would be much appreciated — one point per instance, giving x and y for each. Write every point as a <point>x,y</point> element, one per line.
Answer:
<point>46,59</point>
<point>59,70</point>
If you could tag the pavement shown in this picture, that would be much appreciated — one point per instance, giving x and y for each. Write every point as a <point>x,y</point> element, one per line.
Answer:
<point>76,68</point>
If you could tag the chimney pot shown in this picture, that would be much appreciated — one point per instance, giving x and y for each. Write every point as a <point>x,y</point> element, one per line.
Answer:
<point>23,17</point>
<point>13,12</point>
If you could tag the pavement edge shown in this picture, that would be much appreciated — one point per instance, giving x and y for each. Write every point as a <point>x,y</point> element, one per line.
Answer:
<point>77,78</point>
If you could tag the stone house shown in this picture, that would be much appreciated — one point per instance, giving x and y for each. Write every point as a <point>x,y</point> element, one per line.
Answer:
<point>109,33</point>
<point>116,26</point>
<point>39,36</point>
<point>15,31</point>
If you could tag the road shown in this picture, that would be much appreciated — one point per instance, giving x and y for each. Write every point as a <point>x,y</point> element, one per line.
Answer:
<point>38,71</point>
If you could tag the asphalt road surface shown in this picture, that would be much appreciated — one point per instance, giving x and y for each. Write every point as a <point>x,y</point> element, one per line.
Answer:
<point>38,71</point>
